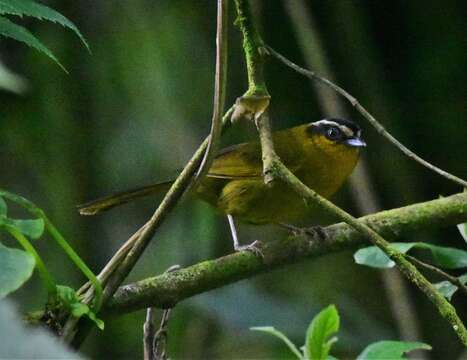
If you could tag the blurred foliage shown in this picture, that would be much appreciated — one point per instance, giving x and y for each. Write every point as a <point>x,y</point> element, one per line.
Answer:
<point>134,110</point>
<point>40,343</point>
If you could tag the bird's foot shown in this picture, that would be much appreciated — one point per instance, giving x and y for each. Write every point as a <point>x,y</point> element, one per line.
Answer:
<point>316,232</point>
<point>254,247</point>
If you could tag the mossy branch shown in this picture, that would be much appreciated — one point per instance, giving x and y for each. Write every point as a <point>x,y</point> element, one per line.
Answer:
<point>253,47</point>
<point>274,169</point>
<point>168,289</point>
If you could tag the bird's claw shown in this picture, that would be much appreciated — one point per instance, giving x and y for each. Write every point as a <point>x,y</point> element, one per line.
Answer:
<point>316,232</point>
<point>254,247</point>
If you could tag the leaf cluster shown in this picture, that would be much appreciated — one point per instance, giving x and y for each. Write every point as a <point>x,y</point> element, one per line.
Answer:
<point>17,266</point>
<point>320,337</point>
<point>442,256</point>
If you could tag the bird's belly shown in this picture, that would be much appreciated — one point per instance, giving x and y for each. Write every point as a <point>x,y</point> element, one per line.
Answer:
<point>254,202</point>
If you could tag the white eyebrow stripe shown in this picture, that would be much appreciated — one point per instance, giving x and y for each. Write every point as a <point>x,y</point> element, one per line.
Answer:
<point>346,130</point>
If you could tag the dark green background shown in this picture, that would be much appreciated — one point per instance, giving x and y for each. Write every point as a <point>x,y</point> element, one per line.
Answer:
<point>134,111</point>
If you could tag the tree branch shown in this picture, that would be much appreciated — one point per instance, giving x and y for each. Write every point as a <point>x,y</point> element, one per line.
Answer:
<point>379,128</point>
<point>219,89</point>
<point>454,280</point>
<point>126,257</point>
<point>168,289</point>
<point>274,169</point>
<point>360,182</point>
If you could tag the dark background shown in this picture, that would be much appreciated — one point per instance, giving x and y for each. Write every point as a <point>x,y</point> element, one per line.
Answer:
<point>135,110</point>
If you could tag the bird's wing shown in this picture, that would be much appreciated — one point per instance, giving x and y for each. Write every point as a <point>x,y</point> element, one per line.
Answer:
<point>242,161</point>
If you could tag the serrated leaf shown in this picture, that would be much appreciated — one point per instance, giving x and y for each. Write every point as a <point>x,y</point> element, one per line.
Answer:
<point>443,256</point>
<point>3,207</point>
<point>374,257</point>
<point>39,11</point>
<point>272,331</point>
<point>33,228</point>
<point>16,267</point>
<point>318,342</point>
<point>448,289</point>
<point>11,30</point>
<point>463,230</point>
<point>393,350</point>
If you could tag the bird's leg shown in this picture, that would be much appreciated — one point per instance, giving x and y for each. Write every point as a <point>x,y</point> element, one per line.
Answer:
<point>254,246</point>
<point>316,232</point>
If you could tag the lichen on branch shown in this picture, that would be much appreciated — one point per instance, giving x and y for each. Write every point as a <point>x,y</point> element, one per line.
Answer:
<point>170,288</point>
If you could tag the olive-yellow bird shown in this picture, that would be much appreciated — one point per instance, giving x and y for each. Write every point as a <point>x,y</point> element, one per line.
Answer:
<point>321,154</point>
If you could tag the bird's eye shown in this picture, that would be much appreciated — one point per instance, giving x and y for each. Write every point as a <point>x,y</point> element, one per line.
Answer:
<point>333,134</point>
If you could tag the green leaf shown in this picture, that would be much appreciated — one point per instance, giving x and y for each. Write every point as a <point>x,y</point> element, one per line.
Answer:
<point>463,230</point>
<point>318,344</point>
<point>446,257</point>
<point>443,256</point>
<point>16,266</point>
<point>70,301</point>
<point>38,11</point>
<point>3,207</point>
<point>20,33</point>
<point>447,289</point>
<point>374,257</point>
<point>272,331</point>
<point>390,350</point>
<point>33,228</point>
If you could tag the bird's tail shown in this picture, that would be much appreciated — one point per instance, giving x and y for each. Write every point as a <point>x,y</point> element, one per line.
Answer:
<point>96,206</point>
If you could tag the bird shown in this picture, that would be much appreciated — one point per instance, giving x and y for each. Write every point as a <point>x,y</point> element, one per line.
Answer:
<point>322,154</point>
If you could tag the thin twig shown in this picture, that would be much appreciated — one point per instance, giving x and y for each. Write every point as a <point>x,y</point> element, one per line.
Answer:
<point>360,182</point>
<point>219,88</point>
<point>149,331</point>
<point>161,337</point>
<point>379,128</point>
<point>452,279</point>
<point>251,43</point>
<point>123,261</point>
<point>155,341</point>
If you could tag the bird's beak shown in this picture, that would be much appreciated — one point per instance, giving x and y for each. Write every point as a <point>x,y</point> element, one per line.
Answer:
<point>355,142</point>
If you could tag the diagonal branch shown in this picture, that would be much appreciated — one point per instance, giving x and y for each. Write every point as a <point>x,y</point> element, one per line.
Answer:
<point>168,289</point>
<point>379,128</point>
<point>360,182</point>
<point>127,256</point>
<point>276,170</point>
<point>454,280</point>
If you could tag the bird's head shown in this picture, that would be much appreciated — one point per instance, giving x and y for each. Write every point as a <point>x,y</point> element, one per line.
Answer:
<point>335,135</point>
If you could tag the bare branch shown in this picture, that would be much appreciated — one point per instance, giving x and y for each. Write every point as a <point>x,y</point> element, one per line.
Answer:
<point>219,88</point>
<point>454,280</point>
<point>379,128</point>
